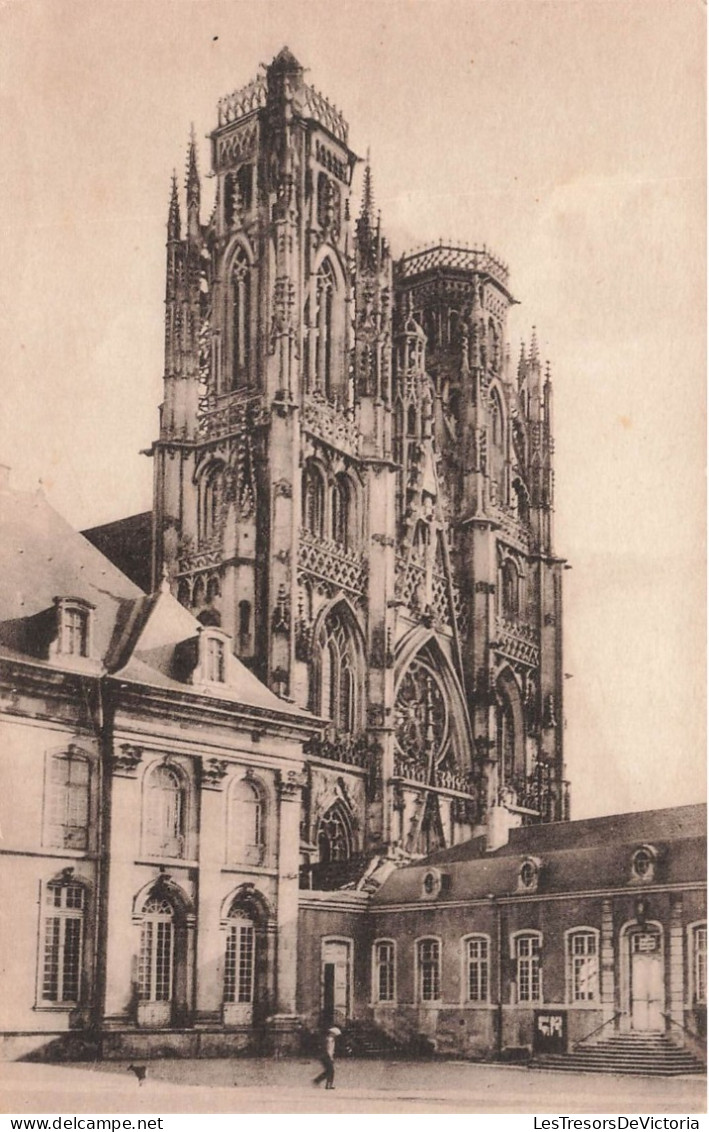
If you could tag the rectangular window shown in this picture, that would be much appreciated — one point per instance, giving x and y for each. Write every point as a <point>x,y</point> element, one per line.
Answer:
<point>583,967</point>
<point>528,968</point>
<point>68,801</point>
<point>429,970</point>
<point>700,964</point>
<point>239,964</point>
<point>215,661</point>
<point>73,632</point>
<point>384,971</point>
<point>63,938</point>
<point>478,971</point>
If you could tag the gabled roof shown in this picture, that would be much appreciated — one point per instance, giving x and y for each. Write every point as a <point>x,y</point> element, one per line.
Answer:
<point>137,638</point>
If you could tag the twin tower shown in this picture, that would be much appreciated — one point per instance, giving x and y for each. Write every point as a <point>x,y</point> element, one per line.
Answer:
<point>355,485</point>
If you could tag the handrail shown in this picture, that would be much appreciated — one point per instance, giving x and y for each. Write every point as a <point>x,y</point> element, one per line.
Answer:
<point>695,1040</point>
<point>597,1030</point>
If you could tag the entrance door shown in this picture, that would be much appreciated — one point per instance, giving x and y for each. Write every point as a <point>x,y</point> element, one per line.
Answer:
<point>336,973</point>
<point>646,982</point>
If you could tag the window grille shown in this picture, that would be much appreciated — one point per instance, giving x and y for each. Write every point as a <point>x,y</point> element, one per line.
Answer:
<point>429,970</point>
<point>528,968</point>
<point>155,968</point>
<point>239,961</point>
<point>63,943</point>
<point>478,969</point>
<point>384,971</point>
<point>583,966</point>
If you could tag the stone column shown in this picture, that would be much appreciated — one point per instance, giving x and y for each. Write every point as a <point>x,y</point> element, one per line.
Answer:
<point>210,957</point>
<point>283,1024</point>
<point>607,964</point>
<point>675,1006</point>
<point>122,940</point>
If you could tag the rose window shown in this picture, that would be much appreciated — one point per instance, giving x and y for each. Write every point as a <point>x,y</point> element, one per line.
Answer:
<point>421,716</point>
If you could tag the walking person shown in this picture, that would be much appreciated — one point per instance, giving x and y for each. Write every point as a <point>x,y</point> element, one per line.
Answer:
<point>328,1059</point>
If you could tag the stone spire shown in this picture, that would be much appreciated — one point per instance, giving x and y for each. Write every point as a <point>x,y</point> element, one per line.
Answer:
<point>173,216</point>
<point>193,187</point>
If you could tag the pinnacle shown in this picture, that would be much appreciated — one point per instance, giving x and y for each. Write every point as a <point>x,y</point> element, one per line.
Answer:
<point>285,60</point>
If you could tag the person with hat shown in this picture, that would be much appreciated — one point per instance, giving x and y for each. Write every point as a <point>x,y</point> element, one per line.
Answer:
<point>328,1059</point>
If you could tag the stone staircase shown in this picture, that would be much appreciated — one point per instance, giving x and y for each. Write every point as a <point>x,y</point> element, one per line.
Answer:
<point>652,1055</point>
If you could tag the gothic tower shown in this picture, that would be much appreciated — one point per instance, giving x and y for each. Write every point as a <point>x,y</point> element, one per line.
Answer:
<point>353,485</point>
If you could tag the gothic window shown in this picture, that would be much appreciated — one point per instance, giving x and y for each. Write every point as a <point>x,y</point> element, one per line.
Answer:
<point>165,813</point>
<point>229,200</point>
<point>698,960</point>
<point>157,946</point>
<point>477,968</point>
<point>337,698</point>
<point>324,306</point>
<point>322,199</point>
<point>527,955</point>
<point>341,511</point>
<point>212,502</point>
<point>428,970</point>
<point>334,835</point>
<point>422,719</point>
<point>240,319</point>
<point>63,941</point>
<point>183,594</point>
<point>198,594</point>
<point>384,971</point>
<point>422,536</point>
<point>496,419</point>
<point>244,627</point>
<point>582,965</point>
<point>506,740</point>
<point>510,587</point>
<point>68,800</point>
<point>245,180</point>
<point>239,957</point>
<point>313,501</point>
<point>247,825</point>
<point>411,423</point>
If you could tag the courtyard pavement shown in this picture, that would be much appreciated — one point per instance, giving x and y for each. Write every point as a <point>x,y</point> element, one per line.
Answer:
<point>362,1086</point>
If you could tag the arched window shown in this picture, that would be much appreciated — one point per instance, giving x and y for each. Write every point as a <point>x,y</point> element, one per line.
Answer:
<point>324,306</point>
<point>247,826</point>
<point>496,419</point>
<point>313,501</point>
<point>165,813</point>
<point>510,590</point>
<point>506,740</point>
<point>384,971</point>
<point>239,958</point>
<point>68,800</point>
<point>212,500</point>
<point>477,968</point>
<point>63,942</point>
<point>341,507</point>
<point>157,947</point>
<point>337,692</point>
<point>411,422</point>
<point>334,835</point>
<point>428,970</point>
<point>582,965</point>
<point>527,955</point>
<point>240,319</point>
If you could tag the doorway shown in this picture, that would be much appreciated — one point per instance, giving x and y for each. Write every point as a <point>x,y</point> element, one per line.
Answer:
<point>336,981</point>
<point>647,990</point>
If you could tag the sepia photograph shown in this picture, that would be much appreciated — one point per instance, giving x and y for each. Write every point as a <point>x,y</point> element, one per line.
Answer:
<point>352,558</point>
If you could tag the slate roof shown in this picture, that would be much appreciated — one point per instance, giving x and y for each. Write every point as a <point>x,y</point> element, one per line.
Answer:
<point>576,856</point>
<point>136,637</point>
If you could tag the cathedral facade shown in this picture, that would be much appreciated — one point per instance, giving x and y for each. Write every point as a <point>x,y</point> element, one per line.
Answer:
<point>355,483</point>
<point>305,764</point>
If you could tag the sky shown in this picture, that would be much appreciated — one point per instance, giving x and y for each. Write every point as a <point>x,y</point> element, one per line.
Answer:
<point>566,135</point>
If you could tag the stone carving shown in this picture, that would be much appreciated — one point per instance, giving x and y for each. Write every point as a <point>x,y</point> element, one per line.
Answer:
<point>125,761</point>
<point>213,773</point>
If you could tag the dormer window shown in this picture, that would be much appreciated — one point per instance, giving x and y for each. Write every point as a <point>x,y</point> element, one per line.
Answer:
<point>644,863</point>
<point>213,649</point>
<point>216,660</point>
<point>73,627</point>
